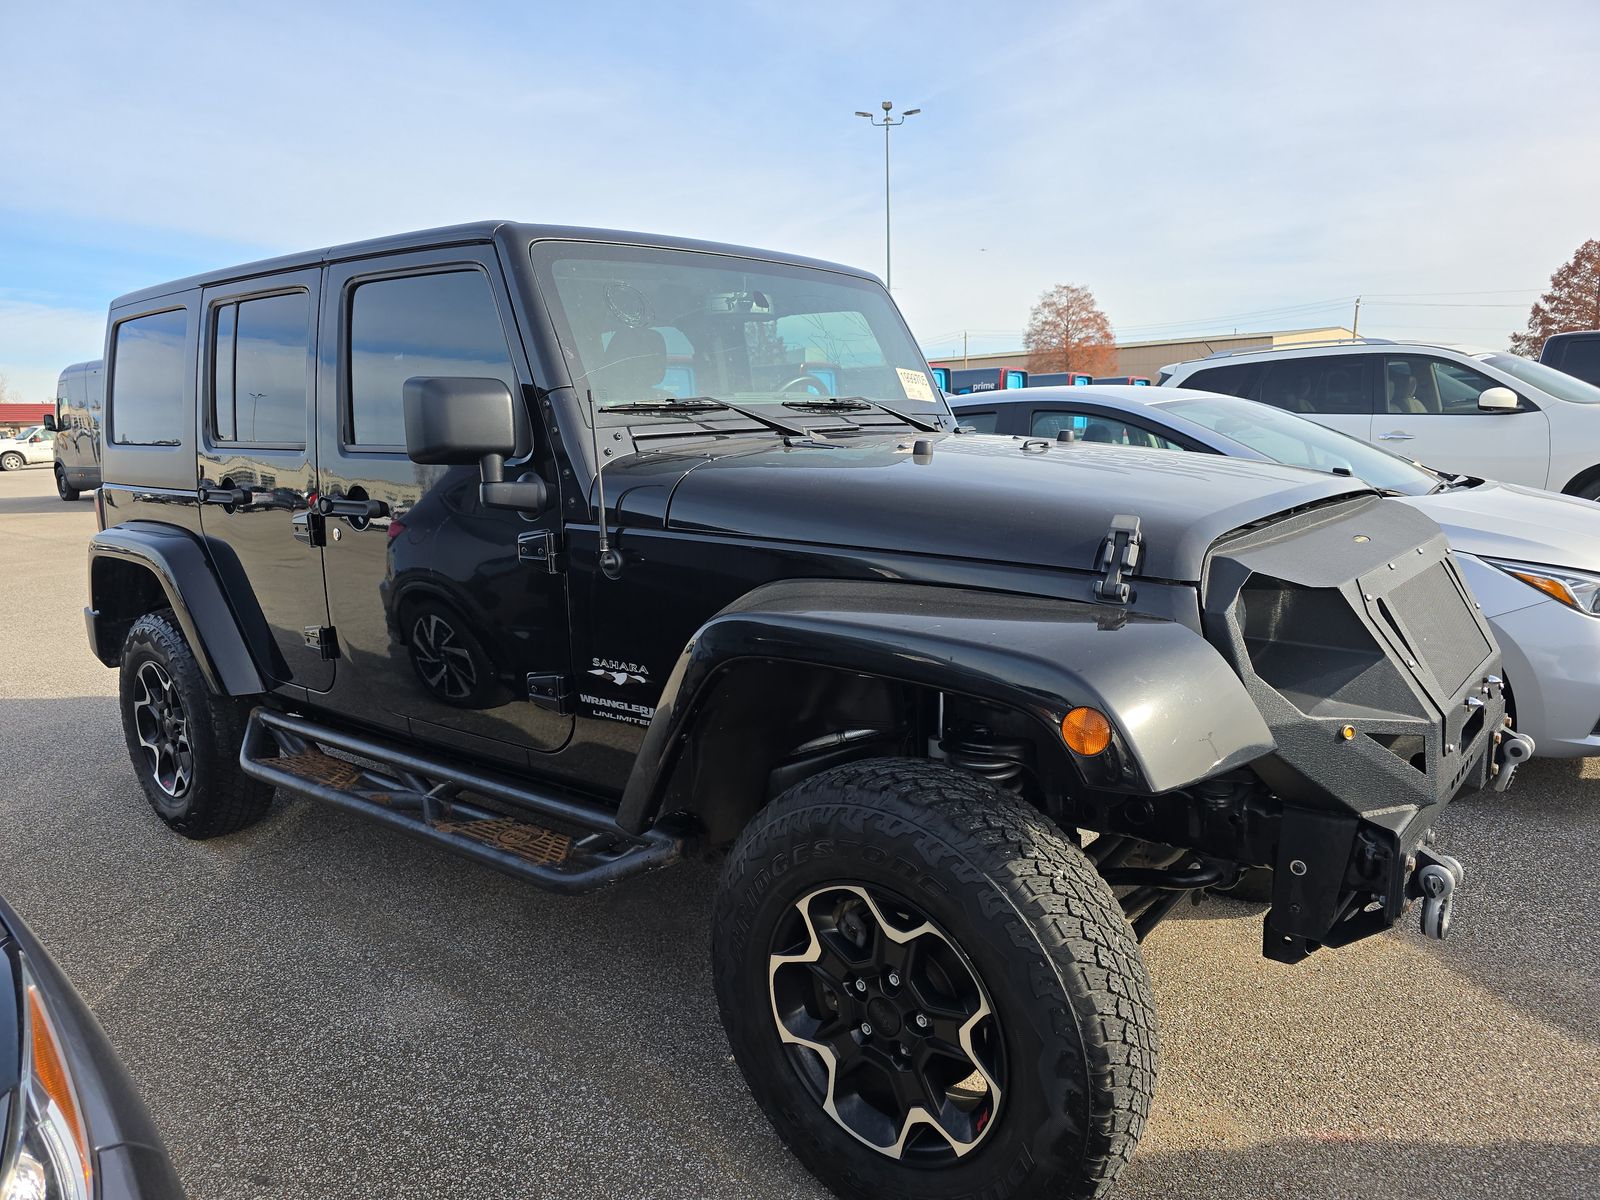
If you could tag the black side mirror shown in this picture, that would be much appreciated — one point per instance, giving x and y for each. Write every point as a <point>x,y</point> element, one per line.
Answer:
<point>456,420</point>
<point>50,422</point>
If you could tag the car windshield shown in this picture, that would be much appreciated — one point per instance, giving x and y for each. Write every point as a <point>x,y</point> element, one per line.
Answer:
<point>33,431</point>
<point>1547,379</point>
<point>648,326</point>
<point>1296,442</point>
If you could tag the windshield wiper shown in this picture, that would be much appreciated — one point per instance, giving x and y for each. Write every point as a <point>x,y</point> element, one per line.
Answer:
<point>858,404</point>
<point>693,404</point>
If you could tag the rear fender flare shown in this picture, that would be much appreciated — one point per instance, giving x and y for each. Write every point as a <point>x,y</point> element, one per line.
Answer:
<point>177,561</point>
<point>1179,711</point>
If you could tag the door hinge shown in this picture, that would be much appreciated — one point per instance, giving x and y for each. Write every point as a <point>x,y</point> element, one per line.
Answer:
<point>309,528</point>
<point>552,692</point>
<point>538,547</point>
<point>323,640</point>
<point>1119,554</point>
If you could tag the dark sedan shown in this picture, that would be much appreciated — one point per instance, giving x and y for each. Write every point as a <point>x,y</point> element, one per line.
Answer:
<point>71,1125</point>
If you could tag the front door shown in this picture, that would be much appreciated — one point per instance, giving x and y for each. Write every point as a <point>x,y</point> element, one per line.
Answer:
<point>1431,414</point>
<point>258,466</point>
<point>445,632</point>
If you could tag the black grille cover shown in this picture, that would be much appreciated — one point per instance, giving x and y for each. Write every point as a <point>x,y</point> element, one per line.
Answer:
<point>1354,614</point>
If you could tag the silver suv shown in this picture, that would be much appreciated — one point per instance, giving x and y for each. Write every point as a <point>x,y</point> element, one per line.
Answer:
<point>1486,413</point>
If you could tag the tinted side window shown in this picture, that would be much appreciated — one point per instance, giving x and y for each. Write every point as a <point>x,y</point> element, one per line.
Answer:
<point>1240,379</point>
<point>1337,385</point>
<point>440,324</point>
<point>982,422</point>
<point>148,405</point>
<point>1092,427</point>
<point>259,363</point>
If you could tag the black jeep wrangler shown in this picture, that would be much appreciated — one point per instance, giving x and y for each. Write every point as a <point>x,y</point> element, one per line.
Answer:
<point>577,552</point>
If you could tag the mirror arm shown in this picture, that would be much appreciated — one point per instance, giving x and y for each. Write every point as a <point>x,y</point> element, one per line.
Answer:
<point>526,494</point>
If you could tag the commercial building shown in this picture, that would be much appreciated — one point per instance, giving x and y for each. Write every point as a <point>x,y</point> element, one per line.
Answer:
<point>1148,357</point>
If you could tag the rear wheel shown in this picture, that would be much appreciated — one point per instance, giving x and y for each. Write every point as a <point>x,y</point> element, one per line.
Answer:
<point>183,741</point>
<point>64,489</point>
<point>1589,491</point>
<point>929,990</point>
<point>11,461</point>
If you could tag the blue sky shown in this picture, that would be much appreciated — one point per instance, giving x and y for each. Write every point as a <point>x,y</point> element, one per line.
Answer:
<point>1199,166</point>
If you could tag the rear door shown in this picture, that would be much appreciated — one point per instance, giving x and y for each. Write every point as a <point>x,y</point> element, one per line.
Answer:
<point>1336,390</point>
<point>445,633</point>
<point>257,464</point>
<point>1430,413</point>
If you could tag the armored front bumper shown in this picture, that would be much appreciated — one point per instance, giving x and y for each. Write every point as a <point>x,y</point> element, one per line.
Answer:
<point>1358,640</point>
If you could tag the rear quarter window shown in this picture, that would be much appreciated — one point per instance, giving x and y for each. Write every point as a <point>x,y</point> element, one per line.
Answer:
<point>1240,379</point>
<point>148,404</point>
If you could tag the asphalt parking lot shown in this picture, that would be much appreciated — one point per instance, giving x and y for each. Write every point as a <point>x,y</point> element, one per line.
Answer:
<point>317,1007</point>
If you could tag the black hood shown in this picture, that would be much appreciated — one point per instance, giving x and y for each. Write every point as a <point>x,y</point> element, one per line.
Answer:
<point>973,497</point>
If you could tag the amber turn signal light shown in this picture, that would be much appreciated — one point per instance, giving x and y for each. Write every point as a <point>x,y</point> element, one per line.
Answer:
<point>1086,731</point>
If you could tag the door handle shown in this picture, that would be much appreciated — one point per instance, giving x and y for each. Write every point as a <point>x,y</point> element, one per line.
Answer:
<point>1395,437</point>
<point>230,497</point>
<point>330,506</point>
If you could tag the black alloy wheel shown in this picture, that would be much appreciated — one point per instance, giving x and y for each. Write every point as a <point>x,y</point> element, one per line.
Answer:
<point>443,661</point>
<point>887,1023</point>
<point>162,729</point>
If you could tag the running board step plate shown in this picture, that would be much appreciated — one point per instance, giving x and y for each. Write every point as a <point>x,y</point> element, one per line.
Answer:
<point>424,798</point>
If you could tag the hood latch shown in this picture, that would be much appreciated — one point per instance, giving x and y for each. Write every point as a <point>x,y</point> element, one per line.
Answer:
<point>1119,554</point>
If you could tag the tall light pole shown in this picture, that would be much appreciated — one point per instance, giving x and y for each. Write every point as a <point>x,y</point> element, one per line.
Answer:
<point>887,122</point>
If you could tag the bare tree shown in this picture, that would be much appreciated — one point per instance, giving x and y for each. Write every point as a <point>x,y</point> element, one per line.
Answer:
<point>8,394</point>
<point>1573,302</point>
<point>1068,332</point>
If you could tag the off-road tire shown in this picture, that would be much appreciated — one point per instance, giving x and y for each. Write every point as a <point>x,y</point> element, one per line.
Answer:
<point>12,461</point>
<point>1042,930</point>
<point>63,489</point>
<point>219,797</point>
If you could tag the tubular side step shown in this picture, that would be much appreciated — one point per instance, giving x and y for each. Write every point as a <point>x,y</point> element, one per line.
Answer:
<point>422,797</point>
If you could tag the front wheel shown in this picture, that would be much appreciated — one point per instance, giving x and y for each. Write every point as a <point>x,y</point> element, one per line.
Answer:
<point>64,489</point>
<point>11,461</point>
<point>930,991</point>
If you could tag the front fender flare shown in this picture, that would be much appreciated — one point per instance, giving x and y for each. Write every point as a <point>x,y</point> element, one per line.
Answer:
<point>1178,708</point>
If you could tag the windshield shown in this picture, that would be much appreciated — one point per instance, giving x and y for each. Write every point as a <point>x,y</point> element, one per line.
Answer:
<point>1296,442</point>
<point>649,326</point>
<point>30,432</point>
<point>1547,379</point>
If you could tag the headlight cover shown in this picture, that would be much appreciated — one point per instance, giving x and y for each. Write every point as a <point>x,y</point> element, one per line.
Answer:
<point>1575,589</point>
<point>52,1160</point>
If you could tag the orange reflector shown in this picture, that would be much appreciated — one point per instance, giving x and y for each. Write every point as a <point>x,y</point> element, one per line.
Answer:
<point>1086,731</point>
<point>1348,733</point>
<point>50,1069</point>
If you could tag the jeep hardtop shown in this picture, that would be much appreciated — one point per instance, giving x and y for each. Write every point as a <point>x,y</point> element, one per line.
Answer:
<point>577,552</point>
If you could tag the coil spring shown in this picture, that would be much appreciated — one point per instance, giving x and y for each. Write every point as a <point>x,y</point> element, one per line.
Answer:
<point>973,749</point>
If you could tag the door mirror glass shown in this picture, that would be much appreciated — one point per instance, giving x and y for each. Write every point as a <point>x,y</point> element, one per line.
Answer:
<point>1498,399</point>
<point>50,422</point>
<point>455,419</point>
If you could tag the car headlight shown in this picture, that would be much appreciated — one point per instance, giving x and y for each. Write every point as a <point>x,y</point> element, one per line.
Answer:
<point>1575,589</point>
<point>52,1160</point>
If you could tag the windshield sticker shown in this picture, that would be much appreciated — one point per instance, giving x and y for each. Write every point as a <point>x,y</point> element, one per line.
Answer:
<point>914,384</point>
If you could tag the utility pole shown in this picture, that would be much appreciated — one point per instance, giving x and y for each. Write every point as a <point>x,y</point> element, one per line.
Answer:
<point>964,363</point>
<point>1355,321</point>
<point>888,122</point>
